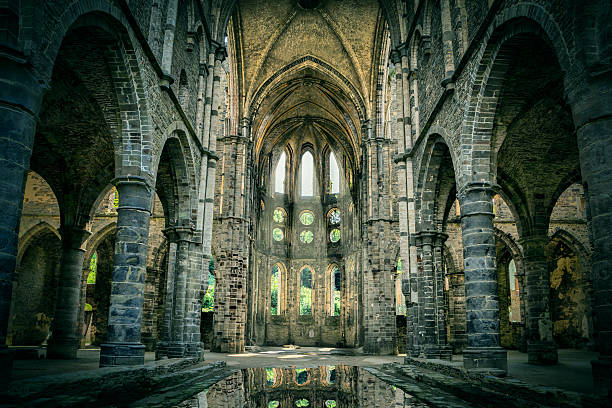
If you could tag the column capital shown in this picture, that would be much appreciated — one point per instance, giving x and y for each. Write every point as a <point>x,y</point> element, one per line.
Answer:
<point>476,198</point>
<point>179,234</point>
<point>20,86</point>
<point>135,192</point>
<point>73,237</point>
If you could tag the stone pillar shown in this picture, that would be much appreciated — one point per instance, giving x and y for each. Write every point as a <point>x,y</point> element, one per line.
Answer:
<point>446,351</point>
<point>592,110</point>
<point>482,313</point>
<point>64,341</point>
<point>123,346</point>
<point>175,310</point>
<point>541,348</point>
<point>20,98</point>
<point>427,322</point>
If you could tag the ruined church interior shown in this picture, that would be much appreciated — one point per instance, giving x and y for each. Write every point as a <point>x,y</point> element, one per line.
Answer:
<point>305,203</point>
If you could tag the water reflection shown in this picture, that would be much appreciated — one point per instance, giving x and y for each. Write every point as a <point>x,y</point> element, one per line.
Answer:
<point>328,387</point>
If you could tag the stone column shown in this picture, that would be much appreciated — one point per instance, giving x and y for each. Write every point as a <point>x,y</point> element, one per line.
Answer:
<point>541,348</point>
<point>173,343</point>
<point>592,110</point>
<point>427,322</point>
<point>482,313</point>
<point>64,341</point>
<point>446,351</point>
<point>123,346</point>
<point>20,98</point>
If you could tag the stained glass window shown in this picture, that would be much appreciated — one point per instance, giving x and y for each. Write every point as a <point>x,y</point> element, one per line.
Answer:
<point>278,234</point>
<point>306,236</point>
<point>279,174</point>
<point>279,215</point>
<point>306,292</point>
<point>334,216</point>
<point>307,217</point>
<point>334,235</point>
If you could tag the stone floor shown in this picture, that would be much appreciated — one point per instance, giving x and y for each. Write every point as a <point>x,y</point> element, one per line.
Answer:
<point>573,373</point>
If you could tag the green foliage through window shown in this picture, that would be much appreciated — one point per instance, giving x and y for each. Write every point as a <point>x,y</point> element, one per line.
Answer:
<point>270,376</point>
<point>301,376</point>
<point>273,404</point>
<point>93,269</point>
<point>277,234</point>
<point>279,215</point>
<point>307,218</point>
<point>335,284</point>
<point>330,404</point>
<point>302,403</point>
<point>334,235</point>
<point>274,289</point>
<point>306,292</point>
<point>306,237</point>
<point>209,297</point>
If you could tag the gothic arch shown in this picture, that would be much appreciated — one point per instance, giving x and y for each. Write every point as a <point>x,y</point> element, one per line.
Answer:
<point>31,234</point>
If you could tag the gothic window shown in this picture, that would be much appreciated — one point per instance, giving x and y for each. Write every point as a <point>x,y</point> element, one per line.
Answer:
<point>278,234</point>
<point>279,215</point>
<point>334,175</point>
<point>275,286</point>
<point>330,404</point>
<point>302,403</point>
<point>279,174</point>
<point>514,314</point>
<point>93,268</point>
<point>208,303</point>
<point>331,375</point>
<point>307,175</point>
<point>400,299</point>
<point>307,217</point>
<point>334,235</point>
<point>306,236</point>
<point>305,291</point>
<point>335,291</point>
<point>270,376</point>
<point>273,404</point>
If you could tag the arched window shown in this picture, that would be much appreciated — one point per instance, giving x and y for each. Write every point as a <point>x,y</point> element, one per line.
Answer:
<point>334,175</point>
<point>400,299</point>
<point>273,404</point>
<point>93,268</point>
<point>279,174</point>
<point>514,314</point>
<point>301,376</point>
<point>302,403</point>
<point>275,284</point>
<point>208,303</point>
<point>308,175</point>
<point>305,291</point>
<point>335,291</point>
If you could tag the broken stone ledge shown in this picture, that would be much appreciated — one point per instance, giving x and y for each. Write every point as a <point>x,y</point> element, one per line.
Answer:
<point>484,388</point>
<point>155,384</point>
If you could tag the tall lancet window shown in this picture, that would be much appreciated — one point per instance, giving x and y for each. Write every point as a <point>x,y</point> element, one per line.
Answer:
<point>334,174</point>
<point>308,175</point>
<point>279,174</point>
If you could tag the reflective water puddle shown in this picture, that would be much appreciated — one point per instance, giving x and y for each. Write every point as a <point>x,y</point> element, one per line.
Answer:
<point>320,387</point>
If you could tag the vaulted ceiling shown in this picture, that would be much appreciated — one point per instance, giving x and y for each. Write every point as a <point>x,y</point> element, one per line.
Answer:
<point>306,60</point>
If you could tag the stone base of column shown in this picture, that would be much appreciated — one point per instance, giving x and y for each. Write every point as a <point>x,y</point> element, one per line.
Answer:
<point>430,352</point>
<point>62,349</point>
<point>175,350</point>
<point>120,354</point>
<point>195,350</point>
<point>446,352</point>
<point>492,359</point>
<point>542,353</point>
<point>6,365</point>
<point>602,376</point>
